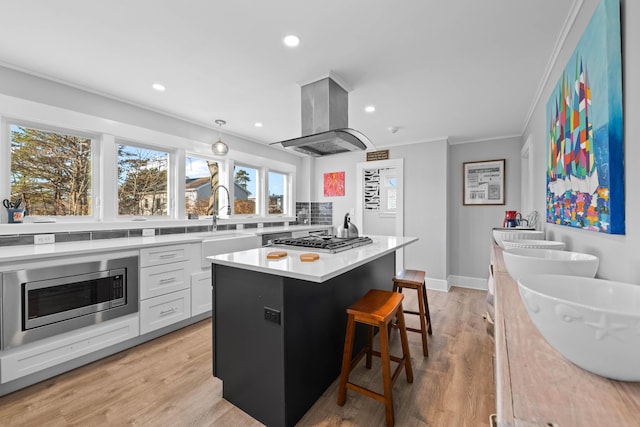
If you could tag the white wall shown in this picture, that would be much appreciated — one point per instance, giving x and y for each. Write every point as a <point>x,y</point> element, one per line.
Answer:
<point>619,255</point>
<point>470,226</point>
<point>425,201</point>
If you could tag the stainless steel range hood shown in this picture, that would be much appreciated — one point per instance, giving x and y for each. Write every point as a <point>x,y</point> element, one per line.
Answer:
<point>325,110</point>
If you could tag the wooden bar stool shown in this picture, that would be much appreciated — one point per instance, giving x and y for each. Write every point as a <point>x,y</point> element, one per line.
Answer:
<point>377,308</point>
<point>414,279</point>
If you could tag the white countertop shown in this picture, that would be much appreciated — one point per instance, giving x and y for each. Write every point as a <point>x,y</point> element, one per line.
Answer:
<point>325,268</point>
<point>10,254</point>
<point>25,253</point>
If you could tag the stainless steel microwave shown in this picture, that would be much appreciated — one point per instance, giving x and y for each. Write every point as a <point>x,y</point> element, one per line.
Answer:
<point>38,303</point>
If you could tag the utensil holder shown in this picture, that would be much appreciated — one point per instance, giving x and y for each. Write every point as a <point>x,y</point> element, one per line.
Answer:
<point>15,215</point>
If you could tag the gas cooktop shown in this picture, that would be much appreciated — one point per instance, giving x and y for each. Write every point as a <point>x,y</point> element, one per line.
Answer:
<point>330,244</point>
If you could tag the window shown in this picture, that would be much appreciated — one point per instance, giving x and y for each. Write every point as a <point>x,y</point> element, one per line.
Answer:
<point>51,172</point>
<point>142,181</point>
<point>388,191</point>
<point>244,190</point>
<point>277,186</point>
<point>200,176</point>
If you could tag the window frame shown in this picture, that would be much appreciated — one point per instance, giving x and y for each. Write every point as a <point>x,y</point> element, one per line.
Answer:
<point>222,180</point>
<point>96,188</point>
<point>386,175</point>
<point>286,196</point>
<point>259,212</point>
<point>171,179</point>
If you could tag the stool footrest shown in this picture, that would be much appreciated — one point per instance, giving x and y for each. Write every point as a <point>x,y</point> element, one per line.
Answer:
<point>411,312</point>
<point>395,326</point>
<point>358,358</point>
<point>369,393</point>
<point>393,358</point>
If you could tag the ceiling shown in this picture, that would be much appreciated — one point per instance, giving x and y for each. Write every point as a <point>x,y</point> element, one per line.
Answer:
<point>464,69</point>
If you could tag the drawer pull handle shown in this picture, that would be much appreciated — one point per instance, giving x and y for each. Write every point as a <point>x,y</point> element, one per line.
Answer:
<point>167,280</point>
<point>165,256</point>
<point>168,311</point>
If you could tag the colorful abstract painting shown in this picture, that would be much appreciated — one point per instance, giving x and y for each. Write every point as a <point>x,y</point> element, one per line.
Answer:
<point>585,164</point>
<point>334,184</point>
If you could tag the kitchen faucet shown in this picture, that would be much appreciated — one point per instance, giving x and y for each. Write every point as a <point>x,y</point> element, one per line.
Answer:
<point>214,217</point>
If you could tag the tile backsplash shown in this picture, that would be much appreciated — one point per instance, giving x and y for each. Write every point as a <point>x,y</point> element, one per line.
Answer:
<point>314,213</point>
<point>78,236</point>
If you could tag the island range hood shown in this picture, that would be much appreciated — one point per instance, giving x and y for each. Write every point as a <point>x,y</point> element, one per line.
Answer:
<point>324,122</point>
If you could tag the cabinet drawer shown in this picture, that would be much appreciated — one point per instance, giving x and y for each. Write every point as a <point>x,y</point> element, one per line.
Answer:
<point>201,292</point>
<point>158,312</point>
<point>49,352</point>
<point>164,255</point>
<point>163,279</point>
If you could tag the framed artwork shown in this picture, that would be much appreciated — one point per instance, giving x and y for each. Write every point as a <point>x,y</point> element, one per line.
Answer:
<point>483,182</point>
<point>585,170</point>
<point>334,184</point>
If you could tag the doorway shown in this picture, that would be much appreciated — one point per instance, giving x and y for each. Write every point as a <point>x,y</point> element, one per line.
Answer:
<point>380,201</point>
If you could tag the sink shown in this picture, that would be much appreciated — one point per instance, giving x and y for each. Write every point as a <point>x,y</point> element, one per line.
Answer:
<point>591,322</point>
<point>217,243</point>
<point>533,244</point>
<point>502,234</point>
<point>525,261</point>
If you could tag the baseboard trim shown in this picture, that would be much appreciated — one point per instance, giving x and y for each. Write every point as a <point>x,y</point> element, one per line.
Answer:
<point>437,285</point>
<point>468,282</point>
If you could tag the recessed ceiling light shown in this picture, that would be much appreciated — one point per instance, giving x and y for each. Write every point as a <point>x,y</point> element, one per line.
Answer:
<point>369,108</point>
<point>159,87</point>
<point>291,40</point>
<point>258,124</point>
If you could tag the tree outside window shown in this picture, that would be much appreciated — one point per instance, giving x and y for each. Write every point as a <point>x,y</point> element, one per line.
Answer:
<point>51,172</point>
<point>142,181</point>
<point>277,183</point>
<point>245,190</point>
<point>201,176</point>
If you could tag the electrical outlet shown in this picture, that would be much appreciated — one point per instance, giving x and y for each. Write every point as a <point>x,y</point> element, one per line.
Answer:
<point>148,232</point>
<point>40,239</point>
<point>272,315</point>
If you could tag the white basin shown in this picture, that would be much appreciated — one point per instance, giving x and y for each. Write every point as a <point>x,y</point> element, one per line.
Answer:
<point>592,322</point>
<point>533,244</point>
<point>524,261</point>
<point>217,243</point>
<point>502,234</point>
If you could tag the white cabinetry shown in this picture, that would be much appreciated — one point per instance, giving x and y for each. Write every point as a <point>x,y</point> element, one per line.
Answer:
<point>42,354</point>
<point>163,279</point>
<point>201,295</point>
<point>158,312</point>
<point>165,294</point>
<point>164,254</point>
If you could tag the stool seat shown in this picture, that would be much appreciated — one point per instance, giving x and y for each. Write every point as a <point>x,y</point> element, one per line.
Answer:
<point>376,309</point>
<point>414,279</point>
<point>410,278</point>
<point>376,306</point>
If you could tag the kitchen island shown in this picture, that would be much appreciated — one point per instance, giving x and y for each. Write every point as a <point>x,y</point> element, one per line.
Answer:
<point>279,324</point>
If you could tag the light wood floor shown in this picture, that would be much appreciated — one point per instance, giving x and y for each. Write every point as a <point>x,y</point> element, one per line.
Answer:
<point>168,382</point>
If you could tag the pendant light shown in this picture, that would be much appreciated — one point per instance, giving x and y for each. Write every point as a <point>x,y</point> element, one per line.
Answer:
<point>219,148</point>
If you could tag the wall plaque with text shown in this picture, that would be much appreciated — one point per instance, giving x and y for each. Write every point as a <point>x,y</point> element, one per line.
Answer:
<point>377,155</point>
